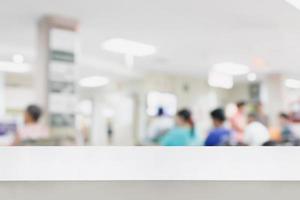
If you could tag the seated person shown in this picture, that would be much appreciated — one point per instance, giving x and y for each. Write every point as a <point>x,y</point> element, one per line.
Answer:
<point>219,135</point>
<point>32,130</point>
<point>183,134</point>
<point>256,134</point>
<point>238,122</point>
<point>287,133</point>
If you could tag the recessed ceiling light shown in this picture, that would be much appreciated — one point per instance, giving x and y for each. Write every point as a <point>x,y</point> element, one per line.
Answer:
<point>220,80</point>
<point>295,3</point>
<point>18,58</point>
<point>13,67</point>
<point>231,68</point>
<point>128,47</point>
<point>93,81</point>
<point>251,77</point>
<point>292,83</point>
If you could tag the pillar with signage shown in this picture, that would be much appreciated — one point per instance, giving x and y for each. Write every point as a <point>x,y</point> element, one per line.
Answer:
<point>275,96</point>
<point>56,73</point>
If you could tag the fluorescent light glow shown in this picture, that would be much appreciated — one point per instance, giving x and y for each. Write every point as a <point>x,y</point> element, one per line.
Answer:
<point>93,81</point>
<point>232,69</point>
<point>220,80</point>
<point>128,47</point>
<point>18,58</point>
<point>13,67</point>
<point>292,83</point>
<point>295,3</point>
<point>251,77</point>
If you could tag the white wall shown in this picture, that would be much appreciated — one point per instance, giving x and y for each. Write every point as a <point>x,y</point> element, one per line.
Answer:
<point>116,106</point>
<point>18,98</point>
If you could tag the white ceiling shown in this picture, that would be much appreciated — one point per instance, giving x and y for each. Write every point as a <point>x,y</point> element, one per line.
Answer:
<point>190,35</point>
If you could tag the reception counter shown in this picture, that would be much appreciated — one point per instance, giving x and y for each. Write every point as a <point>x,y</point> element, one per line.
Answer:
<point>149,163</point>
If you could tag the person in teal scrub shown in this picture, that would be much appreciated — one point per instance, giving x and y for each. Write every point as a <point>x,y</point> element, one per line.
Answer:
<point>183,134</point>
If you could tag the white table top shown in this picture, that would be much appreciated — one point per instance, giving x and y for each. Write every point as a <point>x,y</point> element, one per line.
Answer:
<point>149,163</point>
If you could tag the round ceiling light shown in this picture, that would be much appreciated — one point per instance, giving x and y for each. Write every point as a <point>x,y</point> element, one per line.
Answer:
<point>232,69</point>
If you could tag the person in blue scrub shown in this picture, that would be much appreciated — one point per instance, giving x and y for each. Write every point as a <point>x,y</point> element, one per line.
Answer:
<point>219,135</point>
<point>183,134</point>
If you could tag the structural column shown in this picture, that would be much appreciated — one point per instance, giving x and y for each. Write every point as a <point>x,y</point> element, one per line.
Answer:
<point>55,73</point>
<point>273,92</point>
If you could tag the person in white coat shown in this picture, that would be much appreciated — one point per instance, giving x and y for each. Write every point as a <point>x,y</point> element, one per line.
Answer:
<point>256,134</point>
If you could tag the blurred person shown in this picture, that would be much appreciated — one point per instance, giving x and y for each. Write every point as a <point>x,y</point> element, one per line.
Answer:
<point>238,121</point>
<point>270,143</point>
<point>256,134</point>
<point>275,134</point>
<point>261,115</point>
<point>184,133</point>
<point>219,135</point>
<point>286,131</point>
<point>110,132</point>
<point>159,126</point>
<point>32,129</point>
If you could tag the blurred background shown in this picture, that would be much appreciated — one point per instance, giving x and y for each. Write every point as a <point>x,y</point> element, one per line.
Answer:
<point>160,72</point>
